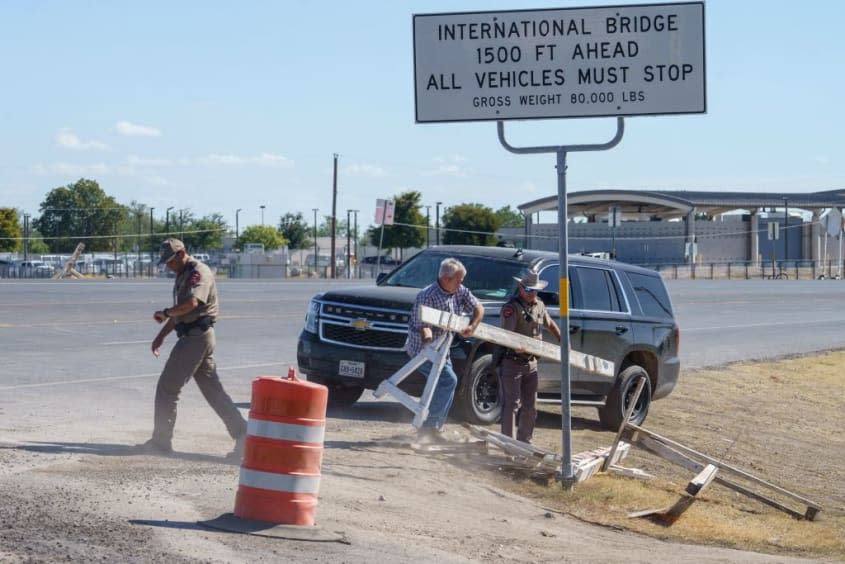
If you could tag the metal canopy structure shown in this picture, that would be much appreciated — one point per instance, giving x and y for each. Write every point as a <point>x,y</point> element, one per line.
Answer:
<point>673,204</point>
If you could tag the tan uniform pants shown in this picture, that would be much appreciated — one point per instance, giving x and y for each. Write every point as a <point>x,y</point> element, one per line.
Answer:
<point>193,356</point>
<point>519,397</point>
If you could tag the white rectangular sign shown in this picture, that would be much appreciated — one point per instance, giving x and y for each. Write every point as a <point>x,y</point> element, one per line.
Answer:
<point>385,210</point>
<point>553,63</point>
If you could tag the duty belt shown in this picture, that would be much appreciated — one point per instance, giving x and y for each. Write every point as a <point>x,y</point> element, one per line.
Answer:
<point>520,357</point>
<point>203,323</point>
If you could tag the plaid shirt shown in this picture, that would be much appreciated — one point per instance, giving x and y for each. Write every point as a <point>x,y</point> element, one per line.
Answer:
<point>462,302</point>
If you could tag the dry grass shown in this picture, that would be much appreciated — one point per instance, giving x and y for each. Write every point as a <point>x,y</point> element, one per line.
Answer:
<point>782,422</point>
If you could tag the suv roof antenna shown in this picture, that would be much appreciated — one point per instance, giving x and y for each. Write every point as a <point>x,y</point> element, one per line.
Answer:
<point>518,253</point>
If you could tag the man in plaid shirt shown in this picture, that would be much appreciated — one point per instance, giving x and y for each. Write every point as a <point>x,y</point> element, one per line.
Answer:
<point>447,294</point>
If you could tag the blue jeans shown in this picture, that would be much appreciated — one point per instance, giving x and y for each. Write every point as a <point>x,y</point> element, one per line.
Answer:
<point>444,393</point>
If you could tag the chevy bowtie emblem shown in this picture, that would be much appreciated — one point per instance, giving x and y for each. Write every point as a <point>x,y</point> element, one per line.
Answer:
<point>360,324</point>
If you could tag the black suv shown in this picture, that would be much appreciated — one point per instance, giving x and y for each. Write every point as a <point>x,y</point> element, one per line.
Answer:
<point>354,337</point>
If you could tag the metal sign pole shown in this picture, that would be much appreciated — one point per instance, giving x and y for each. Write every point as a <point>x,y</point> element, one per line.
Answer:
<point>567,475</point>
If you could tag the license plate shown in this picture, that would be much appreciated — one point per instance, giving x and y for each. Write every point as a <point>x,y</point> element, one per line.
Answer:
<point>351,368</point>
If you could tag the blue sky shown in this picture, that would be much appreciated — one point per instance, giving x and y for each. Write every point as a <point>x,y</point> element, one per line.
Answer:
<point>214,106</point>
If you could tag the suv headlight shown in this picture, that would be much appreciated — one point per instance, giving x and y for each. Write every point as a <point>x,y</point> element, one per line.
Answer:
<point>312,316</point>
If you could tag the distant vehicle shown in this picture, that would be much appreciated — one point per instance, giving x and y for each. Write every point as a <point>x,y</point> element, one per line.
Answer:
<point>34,268</point>
<point>386,260</point>
<point>109,266</point>
<point>202,257</point>
<point>324,261</point>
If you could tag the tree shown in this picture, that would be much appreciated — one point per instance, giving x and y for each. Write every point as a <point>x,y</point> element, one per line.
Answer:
<point>470,224</point>
<point>325,228</point>
<point>10,229</point>
<point>79,211</point>
<point>410,225</point>
<point>292,226</point>
<point>265,234</point>
<point>205,233</point>
<point>509,218</point>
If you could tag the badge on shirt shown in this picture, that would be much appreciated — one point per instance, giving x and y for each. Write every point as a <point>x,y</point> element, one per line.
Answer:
<point>194,279</point>
<point>507,311</point>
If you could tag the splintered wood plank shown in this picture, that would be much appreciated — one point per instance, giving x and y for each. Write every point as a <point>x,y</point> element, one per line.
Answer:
<point>703,479</point>
<point>499,336</point>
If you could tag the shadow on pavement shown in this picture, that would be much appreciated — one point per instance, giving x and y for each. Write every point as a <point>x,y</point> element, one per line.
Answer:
<point>112,449</point>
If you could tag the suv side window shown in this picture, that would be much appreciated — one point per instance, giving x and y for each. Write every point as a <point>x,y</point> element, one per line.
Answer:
<point>594,289</point>
<point>652,295</point>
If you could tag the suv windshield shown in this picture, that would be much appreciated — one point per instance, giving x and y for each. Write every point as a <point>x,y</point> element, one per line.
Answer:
<point>487,278</point>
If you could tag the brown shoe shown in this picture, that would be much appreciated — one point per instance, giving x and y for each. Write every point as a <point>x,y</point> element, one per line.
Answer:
<point>154,446</point>
<point>237,453</point>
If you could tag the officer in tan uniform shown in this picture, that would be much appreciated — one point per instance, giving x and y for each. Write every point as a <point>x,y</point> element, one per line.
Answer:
<point>192,317</point>
<point>525,314</point>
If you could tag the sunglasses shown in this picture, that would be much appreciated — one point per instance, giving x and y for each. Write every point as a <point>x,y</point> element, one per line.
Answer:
<point>531,290</point>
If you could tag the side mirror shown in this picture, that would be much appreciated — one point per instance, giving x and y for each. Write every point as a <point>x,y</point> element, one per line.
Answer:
<point>381,276</point>
<point>549,298</point>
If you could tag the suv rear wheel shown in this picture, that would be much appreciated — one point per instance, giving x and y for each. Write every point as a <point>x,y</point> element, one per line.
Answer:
<point>478,397</point>
<point>620,397</point>
<point>340,395</point>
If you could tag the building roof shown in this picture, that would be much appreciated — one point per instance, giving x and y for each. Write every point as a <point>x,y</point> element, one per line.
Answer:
<point>670,204</point>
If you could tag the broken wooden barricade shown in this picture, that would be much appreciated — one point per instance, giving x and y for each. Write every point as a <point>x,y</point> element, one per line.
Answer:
<point>708,470</point>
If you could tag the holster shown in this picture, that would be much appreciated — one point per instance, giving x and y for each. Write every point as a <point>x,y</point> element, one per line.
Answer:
<point>203,323</point>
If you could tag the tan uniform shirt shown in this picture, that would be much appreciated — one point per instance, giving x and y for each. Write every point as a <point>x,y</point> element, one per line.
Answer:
<point>525,319</point>
<point>196,281</point>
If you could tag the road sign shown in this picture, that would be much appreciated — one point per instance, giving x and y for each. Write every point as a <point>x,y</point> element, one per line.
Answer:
<point>385,210</point>
<point>555,63</point>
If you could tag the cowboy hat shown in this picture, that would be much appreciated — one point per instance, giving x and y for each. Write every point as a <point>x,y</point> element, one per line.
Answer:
<point>531,281</point>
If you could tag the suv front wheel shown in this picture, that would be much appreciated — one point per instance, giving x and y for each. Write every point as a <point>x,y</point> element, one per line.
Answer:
<point>478,397</point>
<point>612,413</point>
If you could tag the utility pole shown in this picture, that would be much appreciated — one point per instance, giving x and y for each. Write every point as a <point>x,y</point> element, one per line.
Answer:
<point>315,239</point>
<point>355,235</point>
<point>167,220</point>
<point>428,226</point>
<point>334,214</point>
<point>437,220</point>
<point>262,206</point>
<point>785,231</point>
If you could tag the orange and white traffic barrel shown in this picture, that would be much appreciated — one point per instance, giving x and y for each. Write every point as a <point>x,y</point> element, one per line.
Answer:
<point>280,471</point>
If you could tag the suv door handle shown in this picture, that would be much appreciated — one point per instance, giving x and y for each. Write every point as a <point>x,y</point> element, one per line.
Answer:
<point>621,329</point>
<point>574,329</point>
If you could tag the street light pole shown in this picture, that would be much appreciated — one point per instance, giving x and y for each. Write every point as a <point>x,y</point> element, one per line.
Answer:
<point>348,244</point>
<point>26,236</point>
<point>437,220</point>
<point>315,239</point>
<point>152,245</point>
<point>355,235</point>
<point>262,214</point>
<point>237,233</point>
<point>167,220</point>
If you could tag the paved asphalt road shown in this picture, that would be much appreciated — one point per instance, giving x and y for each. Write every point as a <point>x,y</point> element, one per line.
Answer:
<point>101,330</point>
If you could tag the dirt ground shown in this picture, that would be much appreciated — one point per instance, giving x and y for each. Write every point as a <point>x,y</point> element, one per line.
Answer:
<point>92,497</point>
